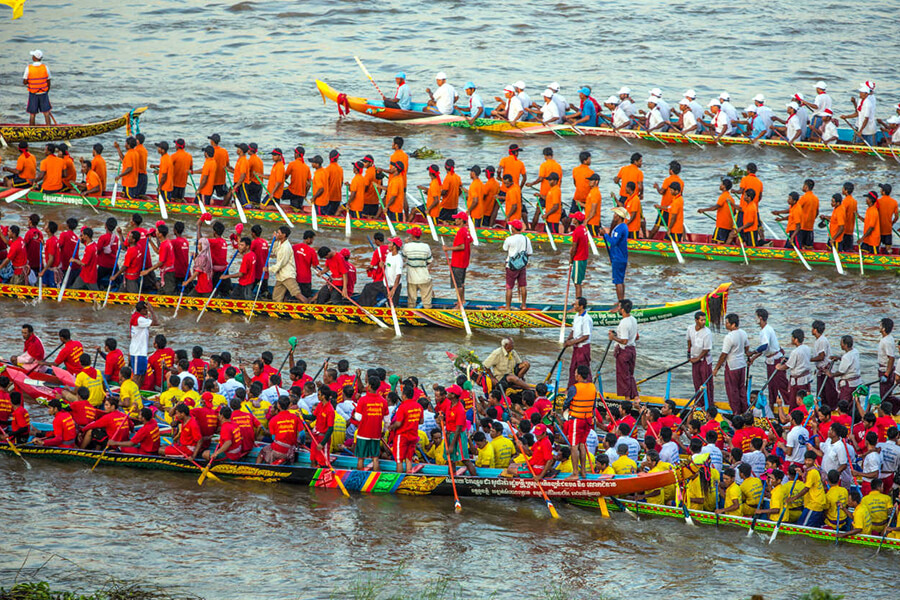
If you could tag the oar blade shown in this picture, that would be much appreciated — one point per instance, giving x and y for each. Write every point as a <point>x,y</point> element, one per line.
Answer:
<point>552,510</point>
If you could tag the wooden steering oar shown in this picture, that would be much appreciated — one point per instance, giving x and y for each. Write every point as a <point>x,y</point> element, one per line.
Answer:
<point>462,308</point>
<point>210,474</point>
<point>562,324</point>
<point>456,505</point>
<point>791,240</point>
<point>368,313</point>
<point>312,440</point>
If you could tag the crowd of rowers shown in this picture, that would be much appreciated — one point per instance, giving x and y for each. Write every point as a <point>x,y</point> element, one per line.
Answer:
<point>816,454</point>
<point>499,196</point>
<point>805,120</point>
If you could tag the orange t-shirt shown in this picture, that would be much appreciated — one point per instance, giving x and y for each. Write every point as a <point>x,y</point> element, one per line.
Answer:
<point>809,208</point>
<point>165,168</point>
<point>451,185</point>
<point>676,214</point>
<point>241,168</point>
<point>98,165</point>
<point>395,190</point>
<point>594,198</point>
<point>54,167</point>
<point>142,158</point>
<point>580,176</point>
<point>630,173</point>
<point>357,185</point>
<point>276,178</point>
<point>633,205</point>
<point>400,155</point>
<point>751,216</point>
<point>70,173</point>
<point>209,171</point>
<point>491,189</point>
<point>513,196</point>
<point>850,207</point>
<point>795,217</point>
<point>547,167</point>
<point>836,221</point>
<point>93,180</point>
<point>254,169</point>
<point>476,195</point>
<point>182,165</point>
<point>27,167</point>
<point>320,182</point>
<point>553,199</point>
<point>335,181</point>
<point>221,159</point>
<point>750,182</point>
<point>667,193</point>
<point>723,213</point>
<point>872,220</point>
<point>369,196</point>
<point>131,159</point>
<point>434,193</point>
<point>511,165</point>
<point>298,171</point>
<point>887,206</point>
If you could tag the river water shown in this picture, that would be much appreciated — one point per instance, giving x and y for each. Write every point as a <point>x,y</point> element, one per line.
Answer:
<point>246,71</point>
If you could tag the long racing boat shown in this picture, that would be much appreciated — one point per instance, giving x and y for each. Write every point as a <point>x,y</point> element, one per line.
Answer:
<point>22,132</point>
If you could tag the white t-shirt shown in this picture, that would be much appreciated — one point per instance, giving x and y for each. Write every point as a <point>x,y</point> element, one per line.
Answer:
<point>444,97</point>
<point>729,109</point>
<point>735,345</point>
<point>514,108</point>
<point>867,109</point>
<point>229,387</point>
<point>765,113</point>
<point>887,348</point>
<point>689,121</point>
<point>627,330</point>
<point>622,114</point>
<point>561,105</point>
<point>140,335</point>
<point>700,341</point>
<point>697,111</point>
<point>664,109</point>
<point>803,116</point>
<point>872,462</point>
<point>582,325</point>
<point>634,448</point>
<point>830,132</point>
<point>669,453</point>
<point>768,338</point>
<point>757,461</point>
<point>722,123</point>
<point>890,456</point>
<point>822,102</point>
<point>793,441</point>
<point>549,112</point>
<point>819,346</point>
<point>792,126</point>
<point>655,117</point>
<point>393,267</point>
<point>850,367</point>
<point>833,455</point>
<point>187,375</point>
<point>525,99</point>
<point>516,243</point>
<point>475,102</point>
<point>715,455</point>
<point>799,365</point>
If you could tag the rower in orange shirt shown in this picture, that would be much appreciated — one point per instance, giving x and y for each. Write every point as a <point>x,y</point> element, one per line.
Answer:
<point>165,183</point>
<point>130,167</point>
<point>395,192</point>
<point>724,207</point>
<point>450,191</point>
<point>208,176</point>
<point>593,205</point>
<point>182,167</point>
<point>553,203</point>
<point>275,183</point>
<point>809,210</point>
<point>356,197</point>
<point>50,173</point>
<point>25,169</point>
<point>850,207</point>
<point>887,216</point>
<point>142,164</point>
<point>335,186</point>
<point>794,218</point>
<point>750,181</point>
<point>91,186</point>
<point>636,225</point>
<point>475,196</point>
<point>837,224</point>
<point>666,192</point>
<point>70,175</point>
<point>513,205</point>
<point>240,182</point>
<point>319,200</point>
<point>299,175</point>
<point>401,156</point>
<point>433,192</point>
<point>871,236</point>
<point>749,228</point>
<point>370,199</point>
<point>548,166</point>
<point>630,173</point>
<point>511,165</point>
<point>98,165</point>
<point>675,211</point>
<point>580,176</point>
<point>255,175</point>
<point>220,155</point>
<point>489,203</point>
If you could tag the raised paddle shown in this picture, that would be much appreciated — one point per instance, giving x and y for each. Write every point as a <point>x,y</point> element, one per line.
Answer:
<point>159,198</point>
<point>369,75</point>
<point>663,372</point>
<point>322,368</point>
<point>312,440</point>
<point>368,313</point>
<point>390,291</point>
<point>115,266</point>
<point>462,308</point>
<point>347,224</point>
<point>884,534</point>
<point>540,212</point>
<point>556,362</point>
<point>756,514</point>
<point>65,281</point>
<point>456,505</point>
<point>293,342</point>
<point>259,287</point>
<point>115,193</point>
<point>856,131</point>
<point>862,269</point>
<point>40,278</point>
<point>791,240</point>
<point>216,288</point>
<point>562,324</point>
<point>784,508</point>
<point>13,197</point>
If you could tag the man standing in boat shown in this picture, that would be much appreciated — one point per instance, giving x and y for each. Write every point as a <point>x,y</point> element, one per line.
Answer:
<point>699,347</point>
<point>734,357</point>
<point>625,336</point>
<point>580,338</point>
<point>37,80</point>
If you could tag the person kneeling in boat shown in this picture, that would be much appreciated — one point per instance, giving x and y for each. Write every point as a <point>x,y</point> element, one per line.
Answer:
<point>541,459</point>
<point>188,439</point>
<point>580,400</point>
<point>64,428</point>
<point>114,425</point>
<point>231,441</point>
<point>508,368</point>
<point>144,441</point>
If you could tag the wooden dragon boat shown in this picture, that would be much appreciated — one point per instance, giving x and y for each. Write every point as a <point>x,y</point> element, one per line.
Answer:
<point>418,116</point>
<point>16,132</point>
<point>431,480</point>
<point>480,314</point>
<point>763,526</point>
<point>694,245</point>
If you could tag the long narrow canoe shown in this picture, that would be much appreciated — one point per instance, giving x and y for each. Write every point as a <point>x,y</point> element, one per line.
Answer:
<point>695,245</point>
<point>15,132</point>
<point>418,116</point>
<point>763,526</point>
<point>481,315</point>
<point>431,480</point>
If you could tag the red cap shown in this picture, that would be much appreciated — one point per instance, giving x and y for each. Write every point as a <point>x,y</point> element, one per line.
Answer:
<point>461,215</point>
<point>539,430</point>
<point>207,396</point>
<point>239,228</point>
<point>152,232</point>
<point>455,390</point>
<point>416,232</point>
<point>206,217</point>
<point>345,253</point>
<point>160,222</point>
<point>396,241</point>
<point>578,216</point>
<point>517,224</point>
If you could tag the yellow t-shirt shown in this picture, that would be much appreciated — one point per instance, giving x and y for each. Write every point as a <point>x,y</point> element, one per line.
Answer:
<point>879,506</point>
<point>709,503</point>
<point>664,494</point>
<point>608,471</point>
<point>339,433</point>
<point>566,466</point>
<point>862,519</point>
<point>752,488</point>
<point>733,493</point>
<point>503,451</point>
<point>423,441</point>
<point>624,465</point>
<point>130,392</point>
<point>792,514</point>
<point>836,495</point>
<point>436,454</point>
<point>219,401</point>
<point>485,457</point>
<point>258,411</point>
<point>94,386</point>
<point>168,400</point>
<point>814,500</point>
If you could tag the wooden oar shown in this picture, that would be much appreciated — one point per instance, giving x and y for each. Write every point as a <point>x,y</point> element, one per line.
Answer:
<point>240,209</point>
<point>562,324</point>
<point>884,534</point>
<point>675,248</point>
<point>13,197</point>
<point>390,291</point>
<point>540,212</point>
<point>293,342</point>
<point>784,508</point>
<point>556,362</point>
<point>40,277</point>
<point>118,429</point>
<point>428,218</point>
<point>456,505</point>
<point>206,469</point>
<point>159,198</point>
<point>183,285</point>
<point>756,514</point>
<point>115,193</point>
<point>790,143</point>
<point>605,352</point>
<point>210,474</point>
<point>791,240</point>
<point>216,288</point>
<point>312,440</point>
<point>862,269</point>
<point>347,225</point>
<point>277,204</point>
<point>615,129</point>
<point>663,372</point>
<point>71,185</point>
<point>368,313</point>
<point>387,218</point>
<point>469,222</point>
<point>65,281</point>
<point>837,259</point>
<point>738,233</point>
<point>856,131</point>
<point>314,213</point>
<point>462,308</point>
<point>115,266</point>
<point>369,75</point>
<point>17,452</point>
<point>143,266</point>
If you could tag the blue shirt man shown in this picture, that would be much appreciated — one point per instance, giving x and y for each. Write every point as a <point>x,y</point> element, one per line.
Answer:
<point>403,96</point>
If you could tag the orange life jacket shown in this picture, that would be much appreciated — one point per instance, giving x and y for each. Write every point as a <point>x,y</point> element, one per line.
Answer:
<point>38,76</point>
<point>582,405</point>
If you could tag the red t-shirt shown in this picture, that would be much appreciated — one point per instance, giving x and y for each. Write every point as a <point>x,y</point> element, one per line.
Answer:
<point>324,413</point>
<point>285,426</point>
<point>34,347</point>
<point>147,438</point>
<point>71,355</point>
<point>541,454</point>
<point>17,255</point>
<point>133,263</point>
<point>83,412</point>
<point>460,258</point>
<point>218,250</point>
<point>372,408</point>
<point>455,417</point>
<point>33,238</point>
<point>409,415</point>
<point>181,249</point>
<point>260,247</point>
<point>670,421</point>
<point>207,419</point>
<point>378,257</point>
<point>51,252</point>
<point>883,424</point>
<point>166,257</point>
<point>116,423</point>
<point>20,418</point>
<point>5,406</point>
<point>543,406</point>
<point>68,240</point>
<point>248,424</point>
<point>190,433</point>
<point>109,248</point>
<point>89,269</point>
<point>197,367</point>
<point>248,269</point>
<point>115,360</point>
<point>580,242</point>
<point>338,267</point>
<point>305,258</point>
<point>232,431</point>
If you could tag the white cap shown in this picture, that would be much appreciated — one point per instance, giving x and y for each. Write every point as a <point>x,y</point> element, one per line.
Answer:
<point>37,54</point>
<point>519,84</point>
<point>656,92</point>
<point>724,96</point>
<point>624,90</point>
<point>548,93</point>
<point>894,119</point>
<point>714,102</point>
<point>750,109</point>
<point>759,98</point>
<point>612,100</point>
<point>690,94</point>
<point>554,86</point>
<point>441,75</point>
<point>864,88</point>
<point>509,88</point>
<point>685,102</point>
<point>820,85</point>
<point>653,99</point>
<point>793,105</point>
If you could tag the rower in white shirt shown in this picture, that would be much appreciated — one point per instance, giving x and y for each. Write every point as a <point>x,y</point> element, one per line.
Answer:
<point>763,112</point>
<point>580,338</point>
<point>771,349</point>
<point>549,111</point>
<point>821,359</point>
<point>720,123</point>
<point>699,346</point>
<point>625,110</point>
<point>799,369</point>
<point>443,99</point>
<point>476,104</point>
<point>696,109</point>
<point>802,115</point>
<point>887,357</point>
<point>689,123</point>
<point>727,106</point>
<point>625,337</point>
<point>561,105</point>
<point>664,109</point>
<point>818,105</point>
<point>828,132</point>
<point>512,110</point>
<point>655,121</point>
<point>793,128</point>
<point>734,358</point>
<point>847,373</point>
<point>524,98</point>
<point>865,113</point>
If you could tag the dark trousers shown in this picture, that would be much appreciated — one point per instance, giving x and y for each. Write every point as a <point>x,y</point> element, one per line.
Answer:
<point>374,291</point>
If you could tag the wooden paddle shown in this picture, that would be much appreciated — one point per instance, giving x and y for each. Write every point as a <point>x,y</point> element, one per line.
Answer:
<point>663,372</point>
<point>539,211</point>
<point>369,75</point>
<point>884,534</point>
<point>856,131</point>
<point>13,197</point>
<point>259,287</point>
<point>216,288</point>
<point>562,324</point>
<point>791,240</point>
<point>115,266</point>
<point>387,218</point>
<point>118,429</point>
<point>389,290</point>
<point>143,265</point>
<point>183,285</point>
<point>17,452</point>
<point>368,313</point>
<point>738,233</point>
<point>862,269</point>
<point>206,469</point>
<point>456,505</point>
<point>159,198</point>
<point>784,508</point>
<point>115,192</point>
<point>462,307</point>
<point>210,474</point>
<point>556,362</point>
<point>428,218</point>
<point>65,281</point>
<point>40,278</point>
<point>756,514</point>
<point>312,440</point>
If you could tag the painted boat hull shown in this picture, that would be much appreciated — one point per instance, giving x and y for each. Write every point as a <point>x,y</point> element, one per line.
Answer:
<point>764,527</point>
<point>375,108</point>
<point>491,318</point>
<point>696,246</point>
<point>14,132</point>
<point>432,480</point>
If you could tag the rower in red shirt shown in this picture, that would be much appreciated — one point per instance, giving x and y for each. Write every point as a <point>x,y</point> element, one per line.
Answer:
<point>82,410</point>
<point>247,422</point>
<point>165,262</point>
<point>6,407</point>
<point>284,428</point>
<point>33,238</point>
<point>260,247</point>
<point>454,414</point>
<point>64,430</point>
<point>305,259</point>
<point>160,361</point>
<point>231,443</point>
<point>207,419</point>
<point>115,425</point>
<point>246,273</point>
<point>323,414</point>
<point>188,444</point>
<point>197,367</point>
<point>145,440</point>
<point>33,347</point>
<point>339,277</point>
<point>132,264</point>
<point>20,425</point>
<point>114,358</point>
<point>88,272</point>
<point>70,354</point>
<point>541,460</point>
<point>371,409</point>
<point>51,255</point>
<point>68,242</point>
<point>181,249</point>
<point>16,256</point>
<point>668,418</point>
<point>406,427</point>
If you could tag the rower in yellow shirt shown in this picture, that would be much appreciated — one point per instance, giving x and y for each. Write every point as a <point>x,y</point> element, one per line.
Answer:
<point>485,451</point>
<point>130,394</point>
<point>782,492</point>
<point>733,495</point>
<point>565,461</point>
<point>623,465</point>
<point>862,517</point>
<point>700,491</point>
<point>836,514</point>
<point>813,493</point>
<point>603,467</point>
<point>435,449</point>
<point>258,408</point>
<point>167,400</point>
<point>879,505</point>
<point>502,446</point>
<point>92,379</point>
<point>652,464</point>
<point>752,488</point>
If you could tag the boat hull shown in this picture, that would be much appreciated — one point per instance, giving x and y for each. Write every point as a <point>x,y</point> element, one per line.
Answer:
<point>54,133</point>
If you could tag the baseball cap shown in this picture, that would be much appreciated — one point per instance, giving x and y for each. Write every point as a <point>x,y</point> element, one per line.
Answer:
<point>455,390</point>
<point>517,224</point>
<point>243,147</point>
<point>37,54</point>
<point>624,90</point>
<point>475,169</point>
<point>416,232</point>
<point>215,137</point>
<point>820,85</point>
<point>548,93</point>
<point>539,430</point>
<point>334,154</point>
<point>400,75</point>
<point>163,145</point>
<point>509,89</point>
<point>179,143</point>
<point>578,216</point>
<point>396,241</point>
<point>690,94</point>
<point>519,84</point>
<point>554,86</point>
<point>440,75</point>
<point>714,102</point>
<point>469,86</point>
<point>759,98</point>
<point>461,215</point>
<point>656,92</point>
<point>612,100</point>
<point>724,96</point>
<point>253,146</point>
<point>584,91</point>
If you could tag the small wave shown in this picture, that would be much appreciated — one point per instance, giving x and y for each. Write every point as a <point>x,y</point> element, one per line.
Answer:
<point>241,7</point>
